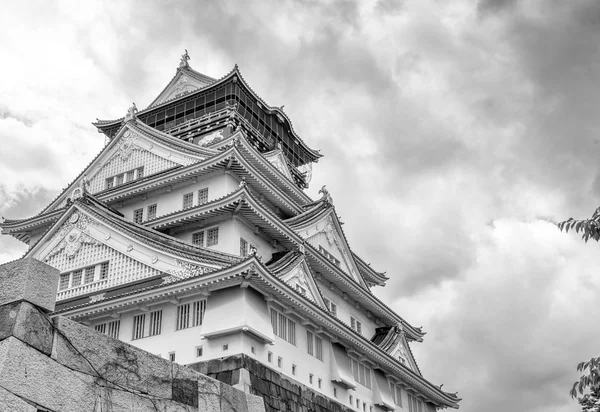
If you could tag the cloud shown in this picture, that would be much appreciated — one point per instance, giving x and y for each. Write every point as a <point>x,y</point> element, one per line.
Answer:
<point>454,133</point>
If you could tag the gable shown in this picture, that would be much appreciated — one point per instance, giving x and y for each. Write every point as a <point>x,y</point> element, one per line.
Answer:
<point>182,83</point>
<point>277,159</point>
<point>300,278</point>
<point>131,155</point>
<point>402,353</point>
<point>325,235</point>
<point>80,241</point>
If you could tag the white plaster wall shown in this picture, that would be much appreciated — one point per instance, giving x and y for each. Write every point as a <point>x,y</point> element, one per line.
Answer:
<point>219,185</point>
<point>346,308</point>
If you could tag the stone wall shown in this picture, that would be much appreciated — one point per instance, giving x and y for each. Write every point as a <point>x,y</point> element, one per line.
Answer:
<point>278,392</point>
<point>60,365</point>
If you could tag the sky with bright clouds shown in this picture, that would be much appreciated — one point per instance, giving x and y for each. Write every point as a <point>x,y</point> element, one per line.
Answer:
<point>455,135</point>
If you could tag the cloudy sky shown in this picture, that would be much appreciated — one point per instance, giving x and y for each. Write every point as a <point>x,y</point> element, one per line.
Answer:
<point>455,134</point>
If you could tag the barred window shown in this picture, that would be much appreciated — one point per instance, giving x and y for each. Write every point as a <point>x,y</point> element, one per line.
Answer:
<point>101,328</point>
<point>188,200</point>
<point>103,270</point>
<point>283,327</point>
<point>362,373</point>
<point>89,274</point>
<point>243,248</point>
<point>190,314</point>
<point>203,196</point>
<point>314,345</point>
<point>76,278</point>
<point>120,179</point>
<point>333,308</point>
<point>198,239</point>
<point>139,322</point>
<point>151,212</point>
<point>414,404</point>
<point>356,325</point>
<point>113,329</point>
<point>64,281</point>
<point>397,394</point>
<point>110,182</point>
<point>212,236</point>
<point>140,172</point>
<point>138,215</point>
<point>172,356</point>
<point>329,256</point>
<point>155,323</point>
<point>130,175</point>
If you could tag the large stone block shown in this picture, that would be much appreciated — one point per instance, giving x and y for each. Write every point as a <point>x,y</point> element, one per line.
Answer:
<point>26,322</point>
<point>12,403</point>
<point>30,280</point>
<point>88,351</point>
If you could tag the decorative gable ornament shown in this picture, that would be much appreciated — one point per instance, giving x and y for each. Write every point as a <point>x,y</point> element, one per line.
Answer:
<point>127,145</point>
<point>187,270</point>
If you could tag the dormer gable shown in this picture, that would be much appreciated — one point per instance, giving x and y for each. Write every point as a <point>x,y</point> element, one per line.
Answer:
<point>322,229</point>
<point>277,159</point>
<point>185,81</point>
<point>301,279</point>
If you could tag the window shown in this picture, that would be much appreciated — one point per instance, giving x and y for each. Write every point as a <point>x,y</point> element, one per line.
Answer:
<point>198,239</point>
<point>314,345</point>
<point>225,347</point>
<point>203,196</point>
<point>270,357</point>
<point>64,281</point>
<point>190,314</point>
<point>357,403</point>
<point>335,392</point>
<point>110,328</point>
<point>355,325</point>
<point>293,369</point>
<point>151,212</point>
<point>188,200</point>
<point>397,394</point>
<point>172,356</point>
<point>283,327</point>
<point>138,326</point>
<point>110,182</point>
<point>140,172</point>
<point>113,329</point>
<point>350,399</point>
<point>89,272</point>
<point>253,350</point>
<point>120,179</point>
<point>301,290</point>
<point>333,308</point>
<point>329,256</point>
<point>364,407</point>
<point>155,323</point>
<point>362,373</point>
<point>319,382</point>
<point>76,281</point>
<point>243,248</point>
<point>199,351</point>
<point>126,177</point>
<point>103,270</point>
<point>138,216</point>
<point>212,236</point>
<point>279,362</point>
<point>130,176</point>
<point>414,404</point>
<point>310,378</point>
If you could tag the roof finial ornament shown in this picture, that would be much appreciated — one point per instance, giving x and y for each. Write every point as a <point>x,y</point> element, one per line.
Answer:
<point>242,182</point>
<point>131,113</point>
<point>326,196</point>
<point>185,57</point>
<point>84,183</point>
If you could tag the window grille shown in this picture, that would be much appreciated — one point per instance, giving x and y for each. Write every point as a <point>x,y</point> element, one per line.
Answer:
<point>139,322</point>
<point>188,200</point>
<point>243,248</point>
<point>64,281</point>
<point>190,314</point>
<point>104,270</point>
<point>355,325</point>
<point>199,351</point>
<point>110,182</point>
<point>172,356</point>
<point>140,172</point>
<point>329,256</point>
<point>203,196</point>
<point>362,373</point>
<point>333,308</point>
<point>283,327</point>
<point>198,239</point>
<point>138,216</point>
<point>101,328</point>
<point>318,348</point>
<point>89,272</point>
<point>155,323</point>
<point>120,179</point>
<point>76,281</point>
<point>310,343</point>
<point>212,236</point>
<point>414,404</point>
<point>151,212</point>
<point>130,175</point>
<point>397,393</point>
<point>114,328</point>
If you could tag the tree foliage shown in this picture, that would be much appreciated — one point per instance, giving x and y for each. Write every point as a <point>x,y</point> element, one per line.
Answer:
<point>588,228</point>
